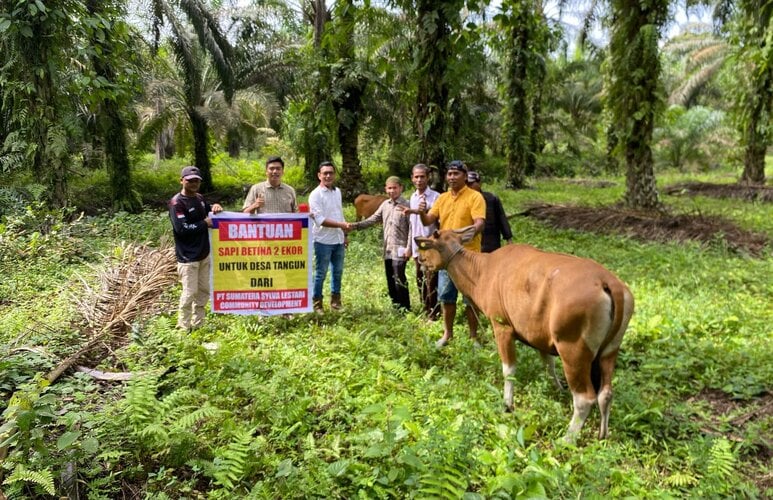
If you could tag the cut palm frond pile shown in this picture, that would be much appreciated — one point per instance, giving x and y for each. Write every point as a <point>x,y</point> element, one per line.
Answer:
<point>647,226</point>
<point>127,291</point>
<point>746,192</point>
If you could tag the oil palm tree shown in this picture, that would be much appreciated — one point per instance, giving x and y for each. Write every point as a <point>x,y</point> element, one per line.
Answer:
<point>195,35</point>
<point>752,57</point>
<point>634,94</point>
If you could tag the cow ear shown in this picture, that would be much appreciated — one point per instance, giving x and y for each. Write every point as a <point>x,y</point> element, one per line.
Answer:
<point>422,243</point>
<point>467,233</point>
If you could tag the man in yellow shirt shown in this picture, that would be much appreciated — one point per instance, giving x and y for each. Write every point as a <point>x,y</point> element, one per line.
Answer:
<point>458,207</point>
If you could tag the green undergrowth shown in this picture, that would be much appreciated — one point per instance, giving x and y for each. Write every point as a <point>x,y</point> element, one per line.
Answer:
<point>359,403</point>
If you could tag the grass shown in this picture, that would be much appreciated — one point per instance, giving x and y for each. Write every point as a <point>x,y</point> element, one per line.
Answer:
<point>361,404</point>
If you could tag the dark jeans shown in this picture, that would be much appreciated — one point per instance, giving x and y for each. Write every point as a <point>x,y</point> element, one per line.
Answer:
<point>427,285</point>
<point>397,283</point>
<point>325,256</point>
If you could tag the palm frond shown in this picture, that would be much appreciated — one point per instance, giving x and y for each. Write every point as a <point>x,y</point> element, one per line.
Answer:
<point>126,291</point>
<point>688,88</point>
<point>213,41</point>
<point>707,55</point>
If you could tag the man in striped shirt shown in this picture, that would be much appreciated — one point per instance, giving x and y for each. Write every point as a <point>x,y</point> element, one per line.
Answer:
<point>395,242</point>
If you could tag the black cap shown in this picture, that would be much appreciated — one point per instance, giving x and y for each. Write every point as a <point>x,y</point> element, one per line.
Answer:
<point>456,165</point>
<point>190,173</point>
<point>473,176</point>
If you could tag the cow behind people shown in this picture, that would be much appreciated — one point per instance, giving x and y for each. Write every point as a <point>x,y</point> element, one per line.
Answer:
<point>366,205</point>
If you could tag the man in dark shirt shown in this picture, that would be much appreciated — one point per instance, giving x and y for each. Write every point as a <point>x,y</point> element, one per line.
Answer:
<point>497,224</point>
<point>189,213</point>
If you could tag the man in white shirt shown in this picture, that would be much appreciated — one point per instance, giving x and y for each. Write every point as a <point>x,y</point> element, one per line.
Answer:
<point>329,235</point>
<point>425,281</point>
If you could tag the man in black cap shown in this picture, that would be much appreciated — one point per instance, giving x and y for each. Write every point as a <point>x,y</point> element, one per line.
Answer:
<point>458,207</point>
<point>189,213</point>
<point>496,221</point>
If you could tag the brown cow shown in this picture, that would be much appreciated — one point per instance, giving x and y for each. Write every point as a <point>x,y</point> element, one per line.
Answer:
<point>558,304</point>
<point>366,205</point>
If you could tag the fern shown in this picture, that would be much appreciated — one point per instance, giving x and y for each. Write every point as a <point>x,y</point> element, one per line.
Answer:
<point>681,480</point>
<point>444,481</point>
<point>230,462</point>
<point>161,424</point>
<point>190,419</point>
<point>721,460</point>
<point>141,403</point>
<point>154,433</point>
<point>397,368</point>
<point>171,405</point>
<point>42,478</point>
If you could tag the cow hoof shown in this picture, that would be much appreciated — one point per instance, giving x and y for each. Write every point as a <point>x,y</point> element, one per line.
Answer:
<point>441,343</point>
<point>569,440</point>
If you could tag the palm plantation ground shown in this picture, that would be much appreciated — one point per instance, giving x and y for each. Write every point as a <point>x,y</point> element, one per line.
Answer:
<point>611,148</point>
<point>360,403</point>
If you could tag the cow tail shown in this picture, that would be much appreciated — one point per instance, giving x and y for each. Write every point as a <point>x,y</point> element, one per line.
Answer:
<point>617,299</point>
<point>595,372</point>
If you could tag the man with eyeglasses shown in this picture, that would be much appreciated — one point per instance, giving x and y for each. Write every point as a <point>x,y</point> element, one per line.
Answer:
<point>458,207</point>
<point>330,240</point>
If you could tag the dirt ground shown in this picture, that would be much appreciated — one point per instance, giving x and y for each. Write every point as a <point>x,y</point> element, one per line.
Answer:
<point>664,226</point>
<point>762,194</point>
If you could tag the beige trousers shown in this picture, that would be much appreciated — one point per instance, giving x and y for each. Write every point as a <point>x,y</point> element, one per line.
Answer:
<point>194,277</point>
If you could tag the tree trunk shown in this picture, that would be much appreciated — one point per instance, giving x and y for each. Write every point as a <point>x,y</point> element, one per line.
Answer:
<point>165,147</point>
<point>754,160</point>
<point>118,166</point>
<point>59,168</point>
<point>433,43</point>
<point>641,189</point>
<point>201,149</point>
<point>612,164</point>
<point>756,141</point>
<point>48,166</point>
<point>315,144</point>
<point>517,113</point>
<point>351,182</point>
<point>536,135</point>
<point>759,104</point>
<point>349,88</point>
<point>114,131</point>
<point>633,94</point>
<point>234,144</point>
